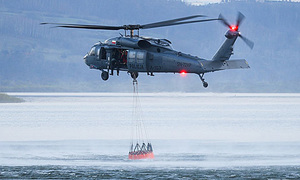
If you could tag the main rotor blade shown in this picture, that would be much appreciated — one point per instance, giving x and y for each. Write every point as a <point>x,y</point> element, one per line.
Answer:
<point>240,19</point>
<point>82,26</point>
<point>178,23</point>
<point>224,21</point>
<point>134,27</point>
<point>164,23</point>
<point>247,41</point>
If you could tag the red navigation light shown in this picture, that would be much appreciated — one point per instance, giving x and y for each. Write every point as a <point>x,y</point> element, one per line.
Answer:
<point>183,73</point>
<point>233,28</point>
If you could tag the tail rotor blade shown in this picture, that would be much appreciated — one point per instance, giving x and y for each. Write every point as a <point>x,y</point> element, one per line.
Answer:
<point>247,41</point>
<point>224,21</point>
<point>240,19</point>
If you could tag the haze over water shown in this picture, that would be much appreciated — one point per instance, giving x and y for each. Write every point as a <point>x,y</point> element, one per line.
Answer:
<point>204,135</point>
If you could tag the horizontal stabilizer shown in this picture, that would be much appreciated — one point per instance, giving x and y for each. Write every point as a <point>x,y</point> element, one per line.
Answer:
<point>222,65</point>
<point>235,64</point>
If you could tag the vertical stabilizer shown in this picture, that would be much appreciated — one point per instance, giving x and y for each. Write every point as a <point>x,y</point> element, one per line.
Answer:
<point>226,50</point>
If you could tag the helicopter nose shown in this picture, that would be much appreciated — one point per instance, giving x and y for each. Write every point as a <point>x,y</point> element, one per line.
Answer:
<point>86,60</point>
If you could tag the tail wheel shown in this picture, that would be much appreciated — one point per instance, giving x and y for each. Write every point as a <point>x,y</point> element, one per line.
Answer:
<point>205,84</point>
<point>104,75</point>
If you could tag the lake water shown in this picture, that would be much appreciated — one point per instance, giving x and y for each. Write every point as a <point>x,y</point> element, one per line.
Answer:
<point>207,135</point>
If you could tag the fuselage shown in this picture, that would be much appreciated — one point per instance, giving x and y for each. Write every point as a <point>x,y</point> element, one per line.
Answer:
<point>141,55</point>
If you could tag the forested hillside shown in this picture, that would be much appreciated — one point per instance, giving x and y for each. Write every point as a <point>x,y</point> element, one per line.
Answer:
<point>41,58</point>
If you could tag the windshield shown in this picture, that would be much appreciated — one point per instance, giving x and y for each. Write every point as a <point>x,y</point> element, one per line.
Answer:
<point>93,51</point>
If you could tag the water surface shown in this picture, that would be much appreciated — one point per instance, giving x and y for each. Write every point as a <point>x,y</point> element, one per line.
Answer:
<point>71,135</point>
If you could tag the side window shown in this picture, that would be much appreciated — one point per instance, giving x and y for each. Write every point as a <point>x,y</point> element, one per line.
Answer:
<point>140,55</point>
<point>131,54</point>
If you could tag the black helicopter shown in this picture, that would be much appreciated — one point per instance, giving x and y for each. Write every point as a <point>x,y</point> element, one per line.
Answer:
<point>135,54</point>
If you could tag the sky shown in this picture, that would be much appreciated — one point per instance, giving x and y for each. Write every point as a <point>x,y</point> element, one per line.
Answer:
<point>201,2</point>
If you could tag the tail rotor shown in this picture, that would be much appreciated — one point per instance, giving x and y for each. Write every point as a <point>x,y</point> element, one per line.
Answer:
<point>235,28</point>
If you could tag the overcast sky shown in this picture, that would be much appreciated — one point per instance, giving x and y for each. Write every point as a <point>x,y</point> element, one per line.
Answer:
<point>202,1</point>
<point>212,1</point>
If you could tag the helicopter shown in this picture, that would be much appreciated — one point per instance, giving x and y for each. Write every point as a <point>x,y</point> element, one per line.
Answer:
<point>137,54</point>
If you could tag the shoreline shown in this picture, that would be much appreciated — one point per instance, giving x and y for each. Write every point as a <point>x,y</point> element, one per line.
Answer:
<point>5,98</point>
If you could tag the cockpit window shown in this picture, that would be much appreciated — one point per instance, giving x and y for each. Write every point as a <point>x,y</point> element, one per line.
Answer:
<point>93,51</point>
<point>98,52</point>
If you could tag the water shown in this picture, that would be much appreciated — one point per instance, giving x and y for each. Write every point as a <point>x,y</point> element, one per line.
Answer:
<point>193,135</point>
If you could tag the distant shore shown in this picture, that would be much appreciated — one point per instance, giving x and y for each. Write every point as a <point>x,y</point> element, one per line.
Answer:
<point>4,98</point>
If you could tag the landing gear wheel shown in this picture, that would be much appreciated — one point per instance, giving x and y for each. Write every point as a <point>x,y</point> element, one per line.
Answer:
<point>104,75</point>
<point>205,84</point>
<point>134,75</point>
